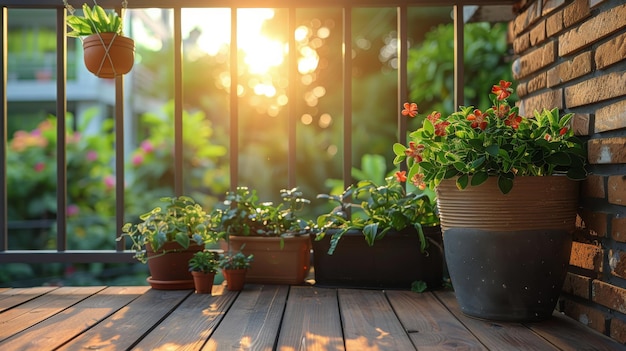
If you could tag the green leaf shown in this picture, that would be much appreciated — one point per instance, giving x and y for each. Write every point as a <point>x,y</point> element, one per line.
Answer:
<point>493,150</point>
<point>479,177</point>
<point>462,181</point>
<point>505,184</point>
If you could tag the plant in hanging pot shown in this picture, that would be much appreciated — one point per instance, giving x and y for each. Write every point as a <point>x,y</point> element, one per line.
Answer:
<point>203,266</point>
<point>274,233</point>
<point>107,52</point>
<point>507,195</point>
<point>379,237</point>
<point>166,239</point>
<point>235,267</point>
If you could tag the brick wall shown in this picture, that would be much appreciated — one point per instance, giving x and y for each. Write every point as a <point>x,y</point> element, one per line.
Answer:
<point>572,55</point>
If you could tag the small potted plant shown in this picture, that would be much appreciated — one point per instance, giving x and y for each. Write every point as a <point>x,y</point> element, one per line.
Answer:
<point>203,266</point>
<point>235,267</point>
<point>379,237</point>
<point>167,237</point>
<point>107,52</point>
<point>274,233</point>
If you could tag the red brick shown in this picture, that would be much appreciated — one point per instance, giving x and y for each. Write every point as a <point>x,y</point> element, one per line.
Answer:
<point>548,100</point>
<point>549,6</point>
<point>611,52</point>
<point>580,124</point>
<point>618,228</point>
<point>586,256</point>
<point>554,24</point>
<point>586,315</point>
<point>538,33</point>
<point>598,27</point>
<point>595,222</point>
<point>593,186</point>
<point>576,12</point>
<point>534,60</point>
<point>606,151</point>
<point>526,18</point>
<point>577,285</point>
<point>617,189</point>
<point>568,70</point>
<point>608,295</point>
<point>618,330</point>
<point>521,43</point>
<point>611,117</point>
<point>522,89</point>
<point>596,89</point>
<point>617,263</point>
<point>537,82</point>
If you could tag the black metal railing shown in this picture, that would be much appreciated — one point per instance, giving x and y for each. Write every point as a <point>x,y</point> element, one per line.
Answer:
<point>62,254</point>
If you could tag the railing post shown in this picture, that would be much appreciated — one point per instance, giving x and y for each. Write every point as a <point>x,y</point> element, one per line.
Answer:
<point>61,111</point>
<point>403,54</point>
<point>347,96</point>
<point>459,69</point>
<point>4,236</point>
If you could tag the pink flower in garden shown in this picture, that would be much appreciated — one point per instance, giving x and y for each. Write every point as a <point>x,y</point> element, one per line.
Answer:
<point>147,146</point>
<point>72,210</point>
<point>39,167</point>
<point>92,155</point>
<point>137,160</point>
<point>109,182</point>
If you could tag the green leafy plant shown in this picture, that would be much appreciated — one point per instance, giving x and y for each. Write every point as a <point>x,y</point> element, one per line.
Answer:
<point>375,210</point>
<point>241,213</point>
<point>235,260</point>
<point>471,145</point>
<point>181,220</point>
<point>94,20</point>
<point>204,261</point>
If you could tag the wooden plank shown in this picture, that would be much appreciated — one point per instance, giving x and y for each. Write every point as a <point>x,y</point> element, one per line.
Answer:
<point>12,297</point>
<point>23,317</point>
<point>253,321</point>
<point>122,329</point>
<point>311,321</point>
<point>496,335</point>
<point>191,324</point>
<point>565,333</point>
<point>369,323</point>
<point>429,324</point>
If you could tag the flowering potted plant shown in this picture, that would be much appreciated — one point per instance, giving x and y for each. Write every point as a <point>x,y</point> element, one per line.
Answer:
<point>507,200</point>
<point>274,233</point>
<point>107,52</point>
<point>379,237</point>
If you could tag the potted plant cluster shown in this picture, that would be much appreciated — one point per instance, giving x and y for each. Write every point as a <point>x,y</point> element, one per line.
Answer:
<point>203,267</point>
<point>274,233</point>
<point>235,267</point>
<point>107,52</point>
<point>167,237</point>
<point>379,237</point>
<point>507,197</point>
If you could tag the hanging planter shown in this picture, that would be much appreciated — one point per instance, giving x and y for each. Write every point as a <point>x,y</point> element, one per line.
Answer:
<point>107,53</point>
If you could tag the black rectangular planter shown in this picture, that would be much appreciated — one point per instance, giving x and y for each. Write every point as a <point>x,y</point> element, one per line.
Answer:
<point>394,262</point>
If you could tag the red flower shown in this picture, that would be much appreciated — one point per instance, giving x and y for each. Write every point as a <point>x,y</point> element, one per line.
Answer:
<point>410,109</point>
<point>415,151</point>
<point>563,131</point>
<point>547,137</point>
<point>513,120</point>
<point>401,176</point>
<point>501,111</point>
<point>434,116</point>
<point>440,126</point>
<point>418,181</point>
<point>478,119</point>
<point>503,90</point>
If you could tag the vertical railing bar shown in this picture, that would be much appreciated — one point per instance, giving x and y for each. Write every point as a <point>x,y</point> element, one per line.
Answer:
<point>347,96</point>
<point>292,113</point>
<point>4,237</point>
<point>61,112</point>
<point>234,110</point>
<point>459,69</point>
<point>178,103</point>
<point>119,156</point>
<point>403,54</point>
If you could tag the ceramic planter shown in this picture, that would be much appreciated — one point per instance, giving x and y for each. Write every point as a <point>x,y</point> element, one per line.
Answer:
<point>508,255</point>
<point>394,261</point>
<point>273,264</point>
<point>170,271</point>
<point>108,55</point>
<point>203,282</point>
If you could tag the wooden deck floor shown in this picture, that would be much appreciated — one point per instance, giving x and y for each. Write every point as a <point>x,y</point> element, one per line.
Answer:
<point>266,317</point>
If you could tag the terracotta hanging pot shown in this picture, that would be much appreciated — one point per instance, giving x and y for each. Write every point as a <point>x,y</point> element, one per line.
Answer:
<point>508,255</point>
<point>108,55</point>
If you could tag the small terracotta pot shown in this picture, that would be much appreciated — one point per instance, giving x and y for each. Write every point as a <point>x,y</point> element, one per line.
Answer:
<point>235,278</point>
<point>170,271</point>
<point>118,61</point>
<point>203,282</point>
